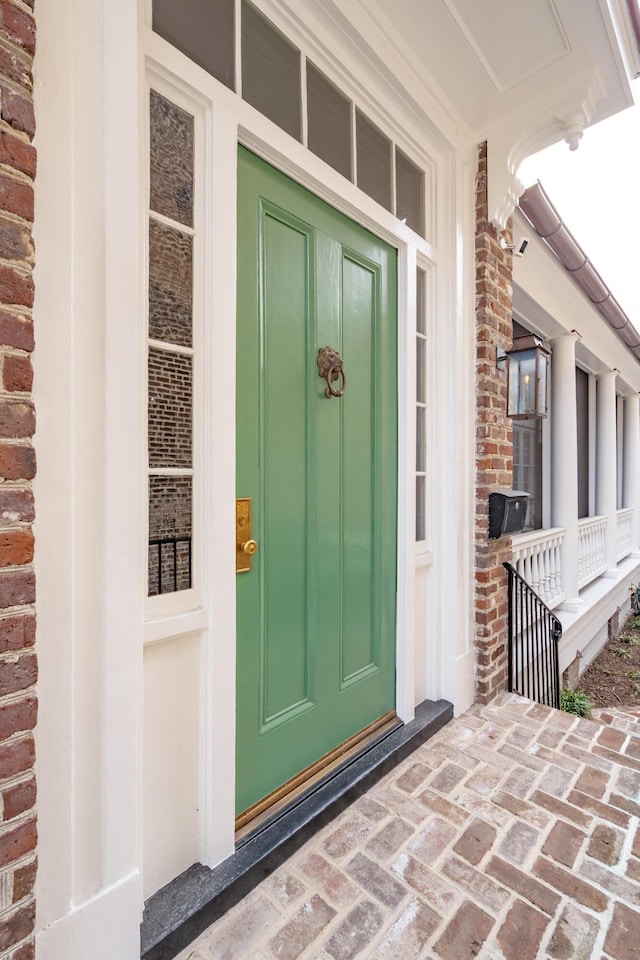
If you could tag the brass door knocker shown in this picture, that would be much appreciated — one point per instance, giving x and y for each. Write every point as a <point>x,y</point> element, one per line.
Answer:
<point>330,368</point>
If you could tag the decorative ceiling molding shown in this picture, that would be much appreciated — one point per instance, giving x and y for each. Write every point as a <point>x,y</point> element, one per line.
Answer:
<point>473,22</point>
<point>574,130</point>
<point>376,40</point>
<point>382,62</point>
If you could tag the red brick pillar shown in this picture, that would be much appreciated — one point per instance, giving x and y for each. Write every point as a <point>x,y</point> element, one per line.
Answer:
<point>494,442</point>
<point>18,666</point>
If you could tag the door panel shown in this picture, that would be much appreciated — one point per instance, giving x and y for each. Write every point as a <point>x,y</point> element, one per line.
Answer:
<point>316,614</point>
<point>360,282</point>
<point>285,346</point>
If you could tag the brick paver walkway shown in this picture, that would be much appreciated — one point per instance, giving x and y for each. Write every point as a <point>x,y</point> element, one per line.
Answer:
<point>513,834</point>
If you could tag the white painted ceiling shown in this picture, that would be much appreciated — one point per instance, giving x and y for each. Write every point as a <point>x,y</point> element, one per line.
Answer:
<point>499,57</point>
<point>508,63</point>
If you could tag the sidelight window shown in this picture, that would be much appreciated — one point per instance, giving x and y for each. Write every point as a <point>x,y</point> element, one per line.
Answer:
<point>170,347</point>
<point>421,404</point>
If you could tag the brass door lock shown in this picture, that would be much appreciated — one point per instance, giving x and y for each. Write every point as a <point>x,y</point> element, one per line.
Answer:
<point>245,546</point>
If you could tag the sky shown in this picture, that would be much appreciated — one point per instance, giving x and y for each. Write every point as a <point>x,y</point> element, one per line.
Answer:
<point>596,191</point>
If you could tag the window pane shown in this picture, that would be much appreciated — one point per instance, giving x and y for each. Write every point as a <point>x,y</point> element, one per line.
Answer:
<point>201,29</point>
<point>421,301</point>
<point>329,118</point>
<point>619,448</point>
<point>421,371</point>
<point>521,383</point>
<point>170,401</point>
<point>582,423</point>
<point>421,439</point>
<point>527,467</point>
<point>169,534</point>
<point>271,80</point>
<point>171,174</point>
<point>170,284</point>
<point>374,161</point>
<point>409,193</point>
<point>421,521</point>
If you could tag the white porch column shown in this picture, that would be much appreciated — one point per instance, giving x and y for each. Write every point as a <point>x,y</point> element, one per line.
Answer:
<point>564,459</point>
<point>606,450</point>
<point>631,465</point>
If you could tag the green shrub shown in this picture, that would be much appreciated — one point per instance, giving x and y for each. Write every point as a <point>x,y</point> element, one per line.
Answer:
<point>627,639</point>
<point>577,702</point>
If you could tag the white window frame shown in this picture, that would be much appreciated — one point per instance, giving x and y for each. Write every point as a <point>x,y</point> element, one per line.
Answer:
<point>423,547</point>
<point>165,614</point>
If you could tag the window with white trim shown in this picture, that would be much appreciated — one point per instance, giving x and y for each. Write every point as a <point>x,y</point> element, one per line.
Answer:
<point>527,457</point>
<point>170,346</point>
<point>421,404</point>
<point>584,440</point>
<point>270,77</point>
<point>619,450</point>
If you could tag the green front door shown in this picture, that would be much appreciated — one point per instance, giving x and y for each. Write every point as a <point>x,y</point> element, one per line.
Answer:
<point>316,614</point>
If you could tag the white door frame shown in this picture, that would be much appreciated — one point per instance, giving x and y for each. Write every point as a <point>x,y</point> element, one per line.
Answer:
<point>90,393</point>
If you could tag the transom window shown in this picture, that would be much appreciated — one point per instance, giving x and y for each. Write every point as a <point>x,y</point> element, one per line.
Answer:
<point>204,32</point>
<point>270,77</point>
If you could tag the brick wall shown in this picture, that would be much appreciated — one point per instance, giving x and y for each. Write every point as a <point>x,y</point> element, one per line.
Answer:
<point>18,665</point>
<point>494,443</point>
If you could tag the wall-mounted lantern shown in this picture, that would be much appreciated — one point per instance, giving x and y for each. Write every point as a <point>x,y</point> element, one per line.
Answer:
<point>527,364</point>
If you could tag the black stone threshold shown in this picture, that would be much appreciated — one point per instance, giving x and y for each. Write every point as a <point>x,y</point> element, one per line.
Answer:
<point>185,907</point>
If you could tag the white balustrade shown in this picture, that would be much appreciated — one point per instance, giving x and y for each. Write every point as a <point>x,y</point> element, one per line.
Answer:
<point>623,533</point>
<point>592,549</point>
<point>536,557</point>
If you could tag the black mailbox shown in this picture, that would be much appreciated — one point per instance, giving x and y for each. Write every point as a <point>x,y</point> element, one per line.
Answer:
<point>507,512</point>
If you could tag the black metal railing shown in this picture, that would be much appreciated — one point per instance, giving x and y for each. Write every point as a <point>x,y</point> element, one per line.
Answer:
<point>534,633</point>
<point>173,572</point>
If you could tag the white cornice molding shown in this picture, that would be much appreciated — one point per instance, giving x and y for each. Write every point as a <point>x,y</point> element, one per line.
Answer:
<point>565,107</point>
<point>369,32</point>
<point>509,145</point>
<point>371,60</point>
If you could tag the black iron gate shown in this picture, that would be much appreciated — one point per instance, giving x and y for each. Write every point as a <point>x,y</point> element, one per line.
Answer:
<point>534,633</point>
